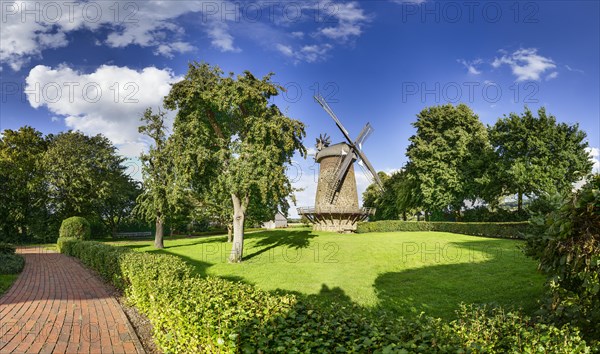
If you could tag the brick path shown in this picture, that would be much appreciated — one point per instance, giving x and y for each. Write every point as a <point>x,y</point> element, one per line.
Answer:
<point>58,306</point>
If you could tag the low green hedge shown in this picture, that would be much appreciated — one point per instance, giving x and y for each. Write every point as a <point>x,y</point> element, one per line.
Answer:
<point>487,229</point>
<point>11,263</point>
<point>193,314</point>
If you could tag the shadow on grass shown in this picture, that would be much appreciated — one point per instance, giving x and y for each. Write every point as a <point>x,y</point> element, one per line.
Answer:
<point>267,240</point>
<point>484,272</point>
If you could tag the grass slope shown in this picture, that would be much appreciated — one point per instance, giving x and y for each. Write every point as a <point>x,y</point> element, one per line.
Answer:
<point>404,272</point>
<point>6,280</point>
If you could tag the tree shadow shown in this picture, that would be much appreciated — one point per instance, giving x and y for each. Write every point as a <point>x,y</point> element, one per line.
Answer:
<point>267,240</point>
<point>481,275</point>
<point>199,267</point>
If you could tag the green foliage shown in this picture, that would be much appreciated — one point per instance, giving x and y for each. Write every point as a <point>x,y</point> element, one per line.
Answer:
<point>487,229</point>
<point>395,201</point>
<point>191,314</point>
<point>567,244</point>
<point>44,180</point>
<point>494,330</point>
<point>7,248</point>
<point>86,176</point>
<point>76,227</point>
<point>23,209</point>
<point>483,214</point>
<point>536,155</point>
<point>6,280</point>
<point>229,141</point>
<point>447,157</point>
<point>11,263</point>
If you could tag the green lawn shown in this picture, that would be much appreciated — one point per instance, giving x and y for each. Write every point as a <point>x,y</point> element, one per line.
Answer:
<point>6,281</point>
<point>405,272</point>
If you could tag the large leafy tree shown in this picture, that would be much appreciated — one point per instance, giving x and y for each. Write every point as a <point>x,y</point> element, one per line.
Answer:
<point>157,167</point>
<point>537,155</point>
<point>84,174</point>
<point>23,212</point>
<point>447,156</point>
<point>227,134</point>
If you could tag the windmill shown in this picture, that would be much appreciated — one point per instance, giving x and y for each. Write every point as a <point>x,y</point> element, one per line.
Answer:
<point>336,202</point>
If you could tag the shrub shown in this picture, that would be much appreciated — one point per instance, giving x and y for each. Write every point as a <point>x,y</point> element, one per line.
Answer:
<point>487,229</point>
<point>192,314</point>
<point>76,227</point>
<point>567,244</point>
<point>7,248</point>
<point>11,263</point>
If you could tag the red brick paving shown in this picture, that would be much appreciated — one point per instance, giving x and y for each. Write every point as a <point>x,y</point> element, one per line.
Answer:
<point>58,306</point>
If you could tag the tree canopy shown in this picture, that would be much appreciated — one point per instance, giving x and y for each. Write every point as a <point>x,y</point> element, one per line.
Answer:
<point>227,136</point>
<point>446,156</point>
<point>536,155</point>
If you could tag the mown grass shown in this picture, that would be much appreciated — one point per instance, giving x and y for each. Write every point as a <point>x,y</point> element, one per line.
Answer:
<point>402,272</point>
<point>6,280</point>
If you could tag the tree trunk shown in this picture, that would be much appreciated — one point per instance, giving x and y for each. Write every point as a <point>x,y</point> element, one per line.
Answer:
<point>404,215</point>
<point>158,235</point>
<point>229,232</point>
<point>239,209</point>
<point>519,201</point>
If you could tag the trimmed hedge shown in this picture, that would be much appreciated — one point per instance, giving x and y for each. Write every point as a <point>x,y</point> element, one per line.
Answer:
<point>193,314</point>
<point>487,229</point>
<point>77,227</point>
<point>11,263</point>
<point>7,248</point>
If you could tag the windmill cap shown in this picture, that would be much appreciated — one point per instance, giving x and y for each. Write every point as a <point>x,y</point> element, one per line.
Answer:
<point>333,150</point>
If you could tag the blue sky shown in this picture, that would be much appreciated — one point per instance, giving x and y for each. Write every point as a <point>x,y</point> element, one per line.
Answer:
<point>94,66</point>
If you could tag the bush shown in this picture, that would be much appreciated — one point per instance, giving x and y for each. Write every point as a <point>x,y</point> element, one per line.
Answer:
<point>11,263</point>
<point>483,214</point>
<point>7,248</point>
<point>567,244</point>
<point>487,229</point>
<point>192,314</point>
<point>76,227</point>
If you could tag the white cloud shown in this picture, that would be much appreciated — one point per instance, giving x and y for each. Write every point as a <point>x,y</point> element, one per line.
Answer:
<point>471,65</point>
<point>313,53</point>
<point>108,101</point>
<point>220,37</point>
<point>552,75</point>
<point>156,24</point>
<point>30,27</point>
<point>285,50</point>
<point>351,20</point>
<point>573,69</point>
<point>525,64</point>
<point>168,49</point>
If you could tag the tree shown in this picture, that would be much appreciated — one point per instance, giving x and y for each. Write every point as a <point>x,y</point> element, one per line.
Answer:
<point>85,176</point>
<point>153,203</point>
<point>537,155</point>
<point>121,202</point>
<point>23,212</point>
<point>395,201</point>
<point>227,135</point>
<point>446,156</point>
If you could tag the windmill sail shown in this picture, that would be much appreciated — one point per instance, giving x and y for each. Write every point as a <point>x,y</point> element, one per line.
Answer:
<point>356,147</point>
